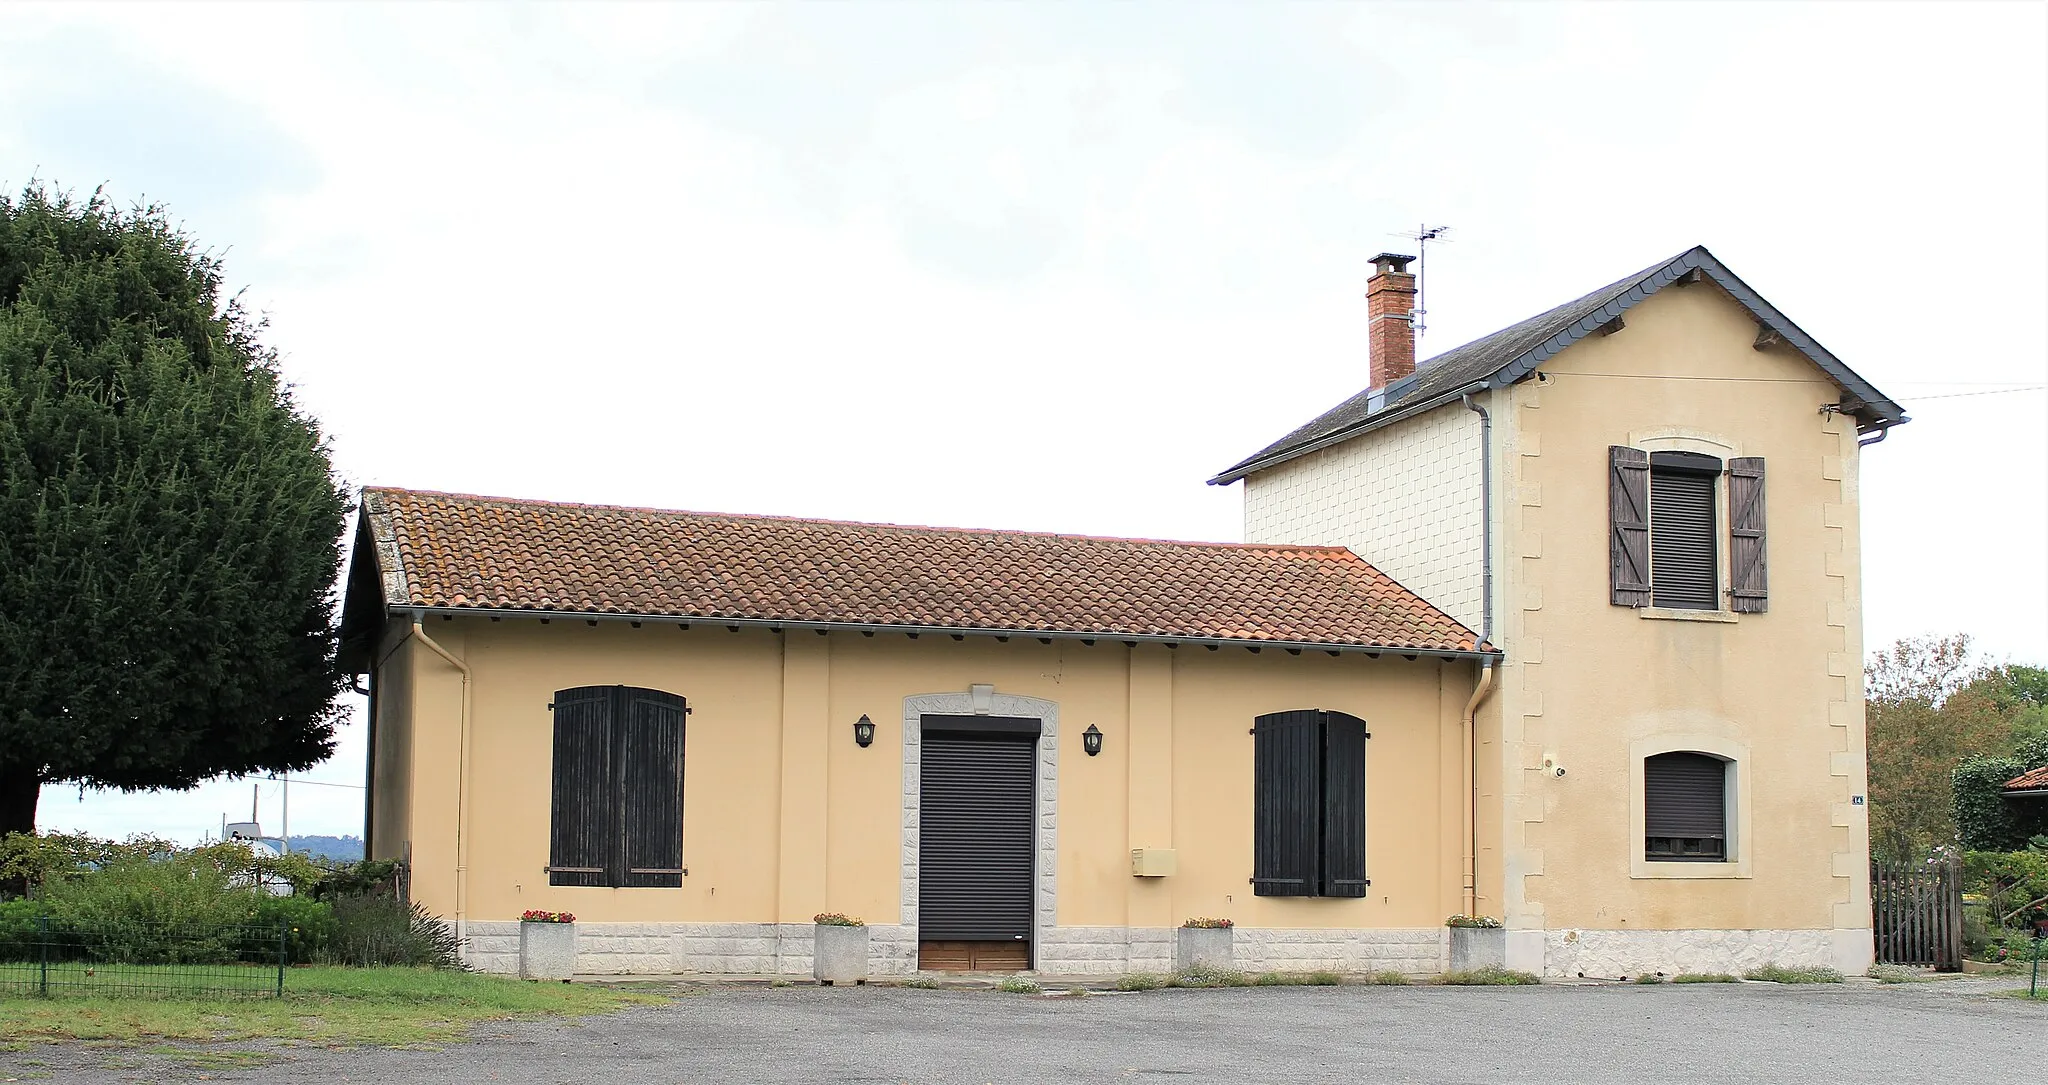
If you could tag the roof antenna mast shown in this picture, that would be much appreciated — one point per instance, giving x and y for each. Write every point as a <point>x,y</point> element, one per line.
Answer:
<point>1422,236</point>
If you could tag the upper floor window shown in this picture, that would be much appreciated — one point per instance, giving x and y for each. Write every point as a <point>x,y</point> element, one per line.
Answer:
<point>616,818</point>
<point>1664,533</point>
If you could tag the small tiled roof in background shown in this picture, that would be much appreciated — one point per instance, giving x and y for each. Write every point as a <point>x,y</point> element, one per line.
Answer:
<point>2034,780</point>
<point>438,550</point>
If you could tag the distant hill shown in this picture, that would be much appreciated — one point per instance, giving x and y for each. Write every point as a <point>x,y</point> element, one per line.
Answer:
<point>341,848</point>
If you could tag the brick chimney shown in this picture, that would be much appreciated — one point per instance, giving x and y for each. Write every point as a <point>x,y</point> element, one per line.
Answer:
<point>1389,298</point>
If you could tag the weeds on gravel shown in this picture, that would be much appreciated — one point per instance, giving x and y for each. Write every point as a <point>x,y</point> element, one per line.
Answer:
<point>1772,973</point>
<point>1298,979</point>
<point>1650,978</point>
<point>1892,973</point>
<point>1490,976</point>
<point>1388,979</point>
<point>1141,981</point>
<point>1018,985</point>
<point>1202,975</point>
<point>1705,977</point>
<point>922,983</point>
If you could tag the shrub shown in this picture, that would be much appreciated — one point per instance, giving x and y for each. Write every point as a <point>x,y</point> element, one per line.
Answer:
<point>180,909</point>
<point>1485,922</point>
<point>366,878</point>
<point>1490,976</point>
<point>1772,973</point>
<point>1141,981</point>
<point>1018,985</point>
<point>1705,977</point>
<point>370,931</point>
<point>835,919</point>
<point>307,924</point>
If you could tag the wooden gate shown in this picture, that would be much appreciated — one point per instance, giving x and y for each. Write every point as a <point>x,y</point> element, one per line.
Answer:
<point>1917,912</point>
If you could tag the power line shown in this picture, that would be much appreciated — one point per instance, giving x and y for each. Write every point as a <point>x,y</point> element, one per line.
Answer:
<point>1993,392</point>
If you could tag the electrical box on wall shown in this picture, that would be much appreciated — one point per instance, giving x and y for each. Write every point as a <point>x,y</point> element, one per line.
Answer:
<point>1152,862</point>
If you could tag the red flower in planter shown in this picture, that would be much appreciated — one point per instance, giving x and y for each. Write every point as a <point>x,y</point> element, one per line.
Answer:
<point>534,915</point>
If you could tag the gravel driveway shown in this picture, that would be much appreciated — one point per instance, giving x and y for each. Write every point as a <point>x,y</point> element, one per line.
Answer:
<point>1562,1034</point>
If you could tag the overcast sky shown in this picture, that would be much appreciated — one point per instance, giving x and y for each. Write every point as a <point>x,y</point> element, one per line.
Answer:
<point>1050,266</point>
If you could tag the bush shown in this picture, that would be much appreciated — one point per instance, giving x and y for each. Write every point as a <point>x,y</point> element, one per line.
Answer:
<point>2014,885</point>
<point>1490,976</point>
<point>371,931</point>
<point>1772,973</point>
<point>308,926</point>
<point>1705,977</point>
<point>179,909</point>
<point>1141,981</point>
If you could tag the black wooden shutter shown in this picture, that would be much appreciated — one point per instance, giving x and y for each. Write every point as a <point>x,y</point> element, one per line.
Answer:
<point>1344,805</point>
<point>1287,804</point>
<point>1628,531</point>
<point>1748,574</point>
<point>582,830</point>
<point>651,833</point>
<point>1685,806</point>
<point>1684,546</point>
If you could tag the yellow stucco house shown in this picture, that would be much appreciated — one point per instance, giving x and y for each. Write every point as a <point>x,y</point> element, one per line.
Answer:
<point>1561,626</point>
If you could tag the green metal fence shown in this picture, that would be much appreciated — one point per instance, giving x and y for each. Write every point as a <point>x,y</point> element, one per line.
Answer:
<point>53,958</point>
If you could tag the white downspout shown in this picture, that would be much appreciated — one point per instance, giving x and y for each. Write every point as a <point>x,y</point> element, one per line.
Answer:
<point>461,791</point>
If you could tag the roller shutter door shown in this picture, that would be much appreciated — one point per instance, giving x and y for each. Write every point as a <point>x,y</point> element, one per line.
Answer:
<point>975,839</point>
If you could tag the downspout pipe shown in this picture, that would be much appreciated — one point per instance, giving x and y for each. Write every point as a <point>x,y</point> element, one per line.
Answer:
<point>1485,684</point>
<point>419,633</point>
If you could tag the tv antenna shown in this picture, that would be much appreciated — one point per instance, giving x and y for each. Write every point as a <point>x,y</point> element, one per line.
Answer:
<point>1422,236</point>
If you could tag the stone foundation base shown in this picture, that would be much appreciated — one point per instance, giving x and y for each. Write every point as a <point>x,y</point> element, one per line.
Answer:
<point>1609,954</point>
<point>785,949</point>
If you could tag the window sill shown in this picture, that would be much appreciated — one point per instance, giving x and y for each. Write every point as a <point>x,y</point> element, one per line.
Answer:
<point>1653,869</point>
<point>1675,614</point>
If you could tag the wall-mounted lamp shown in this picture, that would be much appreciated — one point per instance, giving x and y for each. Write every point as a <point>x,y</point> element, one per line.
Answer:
<point>1091,740</point>
<point>863,732</point>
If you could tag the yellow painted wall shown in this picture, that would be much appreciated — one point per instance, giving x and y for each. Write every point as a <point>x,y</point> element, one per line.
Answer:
<point>391,754</point>
<point>1587,680</point>
<point>784,816</point>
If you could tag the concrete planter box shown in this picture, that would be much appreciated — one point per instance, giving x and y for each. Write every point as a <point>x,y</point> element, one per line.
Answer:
<point>1478,947</point>
<point>1207,947</point>
<point>547,951</point>
<point>840,954</point>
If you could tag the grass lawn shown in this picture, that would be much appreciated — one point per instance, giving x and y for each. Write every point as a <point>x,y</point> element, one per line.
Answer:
<point>328,1006</point>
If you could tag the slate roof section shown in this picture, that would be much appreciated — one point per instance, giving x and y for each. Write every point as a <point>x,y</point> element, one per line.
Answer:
<point>1514,352</point>
<point>2034,780</point>
<point>455,552</point>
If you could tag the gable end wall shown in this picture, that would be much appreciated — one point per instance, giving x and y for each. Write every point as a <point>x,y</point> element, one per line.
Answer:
<point>1405,498</point>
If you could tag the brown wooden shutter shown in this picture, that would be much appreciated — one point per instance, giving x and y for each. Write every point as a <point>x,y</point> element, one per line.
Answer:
<point>1748,579</point>
<point>651,810</point>
<point>1628,518</point>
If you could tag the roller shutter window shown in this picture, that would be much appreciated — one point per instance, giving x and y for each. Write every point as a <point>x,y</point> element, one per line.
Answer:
<point>1685,808</point>
<point>616,810</point>
<point>1683,550</point>
<point>1308,805</point>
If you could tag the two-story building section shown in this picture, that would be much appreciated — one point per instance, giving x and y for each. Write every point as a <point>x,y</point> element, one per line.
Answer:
<point>1647,499</point>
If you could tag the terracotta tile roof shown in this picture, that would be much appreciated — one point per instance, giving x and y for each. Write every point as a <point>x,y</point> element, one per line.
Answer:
<point>459,551</point>
<point>2028,781</point>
